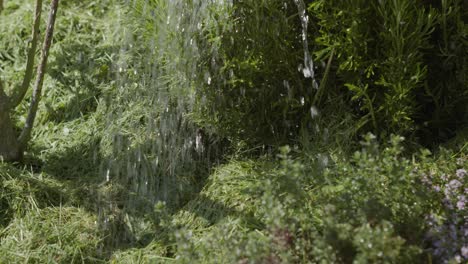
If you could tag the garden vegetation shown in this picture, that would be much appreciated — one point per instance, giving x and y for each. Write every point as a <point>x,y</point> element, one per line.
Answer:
<point>244,131</point>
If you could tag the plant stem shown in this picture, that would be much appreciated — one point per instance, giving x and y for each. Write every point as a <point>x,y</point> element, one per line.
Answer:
<point>20,91</point>
<point>36,96</point>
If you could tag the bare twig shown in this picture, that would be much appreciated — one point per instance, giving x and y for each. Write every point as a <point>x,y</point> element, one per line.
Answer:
<point>19,92</point>
<point>37,92</point>
<point>1,6</point>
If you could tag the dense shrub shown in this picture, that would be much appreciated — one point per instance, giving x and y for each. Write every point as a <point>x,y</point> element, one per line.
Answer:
<point>370,208</point>
<point>400,65</point>
<point>401,61</point>
<point>444,100</point>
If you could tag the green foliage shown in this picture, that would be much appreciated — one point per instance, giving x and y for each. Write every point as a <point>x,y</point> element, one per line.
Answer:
<point>443,103</point>
<point>251,89</point>
<point>368,209</point>
<point>376,191</point>
<point>380,56</point>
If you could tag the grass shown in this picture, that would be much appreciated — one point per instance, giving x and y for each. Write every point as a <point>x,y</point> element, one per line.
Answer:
<point>51,234</point>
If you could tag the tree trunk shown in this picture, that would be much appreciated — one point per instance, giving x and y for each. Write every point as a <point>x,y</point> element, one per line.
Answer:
<point>9,147</point>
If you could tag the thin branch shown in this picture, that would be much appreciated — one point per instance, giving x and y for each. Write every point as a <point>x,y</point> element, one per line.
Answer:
<point>19,92</point>
<point>1,6</point>
<point>320,91</point>
<point>37,92</point>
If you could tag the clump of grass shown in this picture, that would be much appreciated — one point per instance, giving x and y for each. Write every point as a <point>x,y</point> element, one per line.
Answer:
<point>231,190</point>
<point>21,190</point>
<point>51,235</point>
<point>228,203</point>
<point>153,253</point>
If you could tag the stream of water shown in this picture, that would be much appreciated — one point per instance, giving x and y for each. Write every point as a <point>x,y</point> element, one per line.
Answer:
<point>308,69</point>
<point>157,154</point>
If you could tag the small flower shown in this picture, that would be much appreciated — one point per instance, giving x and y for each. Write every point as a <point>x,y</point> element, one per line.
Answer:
<point>461,205</point>
<point>447,203</point>
<point>461,173</point>
<point>464,251</point>
<point>436,188</point>
<point>454,184</point>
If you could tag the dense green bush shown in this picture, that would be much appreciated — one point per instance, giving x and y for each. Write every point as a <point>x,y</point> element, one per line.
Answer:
<point>402,62</point>
<point>399,64</point>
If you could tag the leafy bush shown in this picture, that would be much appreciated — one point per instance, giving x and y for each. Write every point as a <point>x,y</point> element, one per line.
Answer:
<point>393,57</point>
<point>444,100</point>
<point>368,209</point>
<point>373,41</point>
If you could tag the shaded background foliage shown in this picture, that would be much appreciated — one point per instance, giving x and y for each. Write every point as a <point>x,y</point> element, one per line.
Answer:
<point>400,65</point>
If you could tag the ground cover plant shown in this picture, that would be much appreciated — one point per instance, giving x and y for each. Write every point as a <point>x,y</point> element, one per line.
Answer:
<point>275,131</point>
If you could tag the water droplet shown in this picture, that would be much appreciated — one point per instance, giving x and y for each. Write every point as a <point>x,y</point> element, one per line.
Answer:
<point>315,84</point>
<point>198,142</point>
<point>314,112</point>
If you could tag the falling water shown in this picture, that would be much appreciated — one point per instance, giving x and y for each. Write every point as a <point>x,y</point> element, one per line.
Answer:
<point>156,152</point>
<point>153,151</point>
<point>308,69</point>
